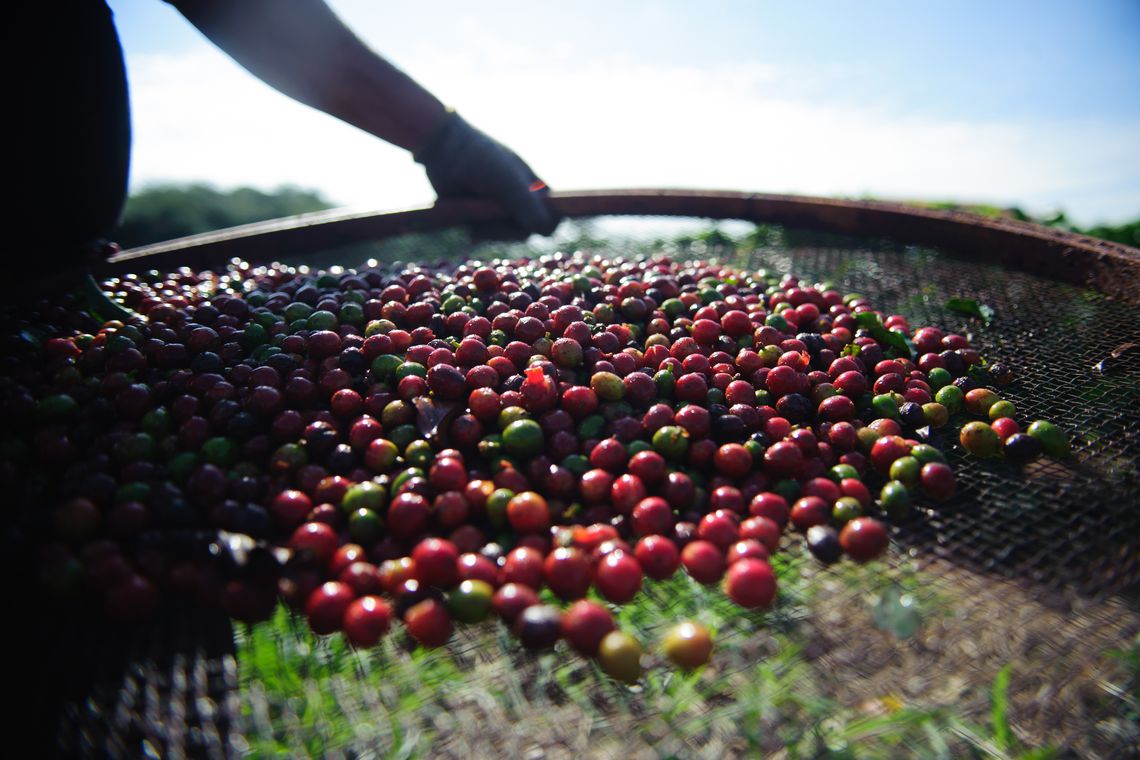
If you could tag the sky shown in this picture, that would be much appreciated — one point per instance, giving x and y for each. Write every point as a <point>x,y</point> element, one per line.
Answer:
<point>1016,103</point>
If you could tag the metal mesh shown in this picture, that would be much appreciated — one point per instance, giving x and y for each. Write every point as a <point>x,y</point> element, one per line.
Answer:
<point>1071,525</point>
<point>1037,567</point>
<point>166,689</point>
<point>1071,522</point>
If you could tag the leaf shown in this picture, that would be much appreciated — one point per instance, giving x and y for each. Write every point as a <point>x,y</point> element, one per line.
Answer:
<point>1041,753</point>
<point>1003,737</point>
<point>434,417</point>
<point>889,338</point>
<point>971,307</point>
<point>101,304</point>
<point>896,613</point>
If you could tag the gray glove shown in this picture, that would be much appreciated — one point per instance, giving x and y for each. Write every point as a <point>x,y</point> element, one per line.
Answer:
<point>462,162</point>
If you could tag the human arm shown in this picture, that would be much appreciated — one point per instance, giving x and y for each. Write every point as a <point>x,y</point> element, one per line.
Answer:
<point>307,53</point>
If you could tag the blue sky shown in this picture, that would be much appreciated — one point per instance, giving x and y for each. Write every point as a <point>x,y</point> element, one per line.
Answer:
<point>1030,103</point>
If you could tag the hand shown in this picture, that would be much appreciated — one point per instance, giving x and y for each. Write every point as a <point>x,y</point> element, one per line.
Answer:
<point>462,162</point>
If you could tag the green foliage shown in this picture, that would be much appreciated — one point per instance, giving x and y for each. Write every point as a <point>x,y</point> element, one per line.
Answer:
<point>163,212</point>
<point>1128,233</point>
<point>894,340</point>
<point>972,308</point>
<point>1129,691</point>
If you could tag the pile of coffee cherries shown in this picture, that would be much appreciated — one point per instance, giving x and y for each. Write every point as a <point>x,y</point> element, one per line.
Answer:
<point>439,444</point>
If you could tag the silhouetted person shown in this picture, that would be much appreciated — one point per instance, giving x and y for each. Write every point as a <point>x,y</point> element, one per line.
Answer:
<point>73,107</point>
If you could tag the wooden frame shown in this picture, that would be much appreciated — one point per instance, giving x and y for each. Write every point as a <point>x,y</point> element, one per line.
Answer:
<point>1111,268</point>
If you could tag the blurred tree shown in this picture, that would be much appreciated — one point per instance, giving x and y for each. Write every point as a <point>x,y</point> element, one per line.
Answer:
<point>1129,233</point>
<point>162,212</point>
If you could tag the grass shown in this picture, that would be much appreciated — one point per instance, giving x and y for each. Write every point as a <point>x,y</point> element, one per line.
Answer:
<point>1000,712</point>
<point>762,692</point>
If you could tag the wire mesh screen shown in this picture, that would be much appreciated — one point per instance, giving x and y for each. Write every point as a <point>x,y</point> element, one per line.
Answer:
<point>1003,619</point>
<point>1071,524</point>
<point>1058,522</point>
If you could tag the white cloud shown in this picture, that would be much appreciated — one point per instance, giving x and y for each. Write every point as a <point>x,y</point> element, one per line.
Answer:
<point>612,123</point>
